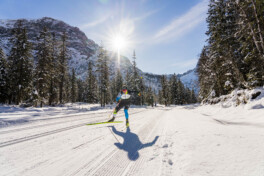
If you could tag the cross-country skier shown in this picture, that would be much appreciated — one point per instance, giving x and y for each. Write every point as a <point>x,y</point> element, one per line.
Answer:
<point>123,100</point>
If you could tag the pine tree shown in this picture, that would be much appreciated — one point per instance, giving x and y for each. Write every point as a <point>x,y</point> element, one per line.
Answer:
<point>160,97</point>
<point>106,80</point>
<point>250,36</point>
<point>103,73</point>
<point>73,87</point>
<point>187,95</point>
<point>81,90</point>
<point>149,96</point>
<point>234,57</point>
<point>67,88</point>
<point>173,89</point>
<point>142,90</point>
<point>91,86</point>
<point>53,89</point>
<point>206,75</point>
<point>43,68</point>
<point>20,66</point>
<point>193,97</point>
<point>135,76</point>
<point>164,90</point>
<point>62,67</point>
<point>117,84</point>
<point>220,33</point>
<point>128,79</point>
<point>181,93</point>
<point>100,70</point>
<point>3,77</point>
<point>135,82</point>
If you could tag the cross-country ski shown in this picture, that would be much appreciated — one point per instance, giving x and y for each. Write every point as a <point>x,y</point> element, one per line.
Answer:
<point>98,123</point>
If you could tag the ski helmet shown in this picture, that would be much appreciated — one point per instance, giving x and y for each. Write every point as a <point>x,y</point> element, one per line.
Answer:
<point>124,87</point>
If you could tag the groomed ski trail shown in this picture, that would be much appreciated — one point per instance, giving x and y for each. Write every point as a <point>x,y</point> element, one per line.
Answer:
<point>181,140</point>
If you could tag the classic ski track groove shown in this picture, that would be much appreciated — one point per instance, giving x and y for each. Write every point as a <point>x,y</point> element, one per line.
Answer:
<point>37,126</point>
<point>88,163</point>
<point>138,164</point>
<point>92,141</point>
<point>60,117</point>
<point>27,138</point>
<point>95,161</point>
<point>119,159</point>
<point>56,123</point>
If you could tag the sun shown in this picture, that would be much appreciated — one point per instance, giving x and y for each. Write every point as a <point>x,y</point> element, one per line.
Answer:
<point>119,42</point>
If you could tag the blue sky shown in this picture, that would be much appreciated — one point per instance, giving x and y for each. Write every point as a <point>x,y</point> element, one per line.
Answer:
<point>167,35</point>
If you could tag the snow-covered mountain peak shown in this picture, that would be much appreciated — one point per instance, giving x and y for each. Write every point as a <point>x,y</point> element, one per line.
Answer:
<point>190,79</point>
<point>81,49</point>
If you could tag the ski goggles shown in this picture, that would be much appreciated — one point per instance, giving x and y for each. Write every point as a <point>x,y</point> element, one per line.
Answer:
<point>124,91</point>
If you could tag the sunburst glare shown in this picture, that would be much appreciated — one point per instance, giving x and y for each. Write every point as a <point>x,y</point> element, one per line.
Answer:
<point>119,42</point>
<point>120,39</point>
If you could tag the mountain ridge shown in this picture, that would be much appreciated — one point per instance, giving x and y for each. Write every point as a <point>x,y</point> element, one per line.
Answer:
<point>82,49</point>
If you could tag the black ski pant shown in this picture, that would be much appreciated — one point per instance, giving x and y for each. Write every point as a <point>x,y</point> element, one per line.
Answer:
<point>123,103</point>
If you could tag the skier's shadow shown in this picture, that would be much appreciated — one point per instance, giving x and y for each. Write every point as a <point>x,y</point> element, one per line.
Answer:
<point>131,143</point>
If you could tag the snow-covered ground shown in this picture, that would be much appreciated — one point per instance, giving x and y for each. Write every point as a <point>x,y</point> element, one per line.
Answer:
<point>13,115</point>
<point>190,140</point>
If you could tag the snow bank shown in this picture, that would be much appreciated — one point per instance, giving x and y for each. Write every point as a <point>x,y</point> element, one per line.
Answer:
<point>13,115</point>
<point>250,99</point>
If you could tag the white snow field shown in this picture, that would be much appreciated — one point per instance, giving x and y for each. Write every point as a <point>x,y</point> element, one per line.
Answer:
<point>191,140</point>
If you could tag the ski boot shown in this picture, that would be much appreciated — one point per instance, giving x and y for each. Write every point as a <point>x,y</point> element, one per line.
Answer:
<point>127,123</point>
<point>111,120</point>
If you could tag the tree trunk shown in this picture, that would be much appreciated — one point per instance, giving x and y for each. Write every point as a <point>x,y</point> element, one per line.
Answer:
<point>259,30</point>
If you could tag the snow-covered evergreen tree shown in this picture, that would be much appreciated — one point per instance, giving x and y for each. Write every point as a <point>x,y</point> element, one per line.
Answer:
<point>20,66</point>
<point>149,96</point>
<point>234,57</point>
<point>128,79</point>
<point>173,89</point>
<point>62,66</point>
<point>164,90</point>
<point>90,92</point>
<point>54,68</point>
<point>142,90</point>
<point>181,93</point>
<point>193,97</point>
<point>103,73</point>
<point>117,84</point>
<point>221,30</point>
<point>136,83</point>
<point>206,75</point>
<point>67,88</point>
<point>81,90</point>
<point>250,37</point>
<point>73,87</point>
<point>43,68</point>
<point>3,77</point>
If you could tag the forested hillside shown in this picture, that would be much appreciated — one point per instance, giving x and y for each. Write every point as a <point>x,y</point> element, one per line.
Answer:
<point>234,55</point>
<point>48,62</point>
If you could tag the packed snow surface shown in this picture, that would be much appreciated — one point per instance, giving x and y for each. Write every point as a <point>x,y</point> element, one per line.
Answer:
<point>191,140</point>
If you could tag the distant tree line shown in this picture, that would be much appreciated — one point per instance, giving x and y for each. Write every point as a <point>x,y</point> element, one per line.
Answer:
<point>234,55</point>
<point>39,81</point>
<point>45,79</point>
<point>173,92</point>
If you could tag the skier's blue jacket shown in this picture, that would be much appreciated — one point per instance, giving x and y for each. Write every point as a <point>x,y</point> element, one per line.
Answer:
<point>123,95</point>
<point>118,97</point>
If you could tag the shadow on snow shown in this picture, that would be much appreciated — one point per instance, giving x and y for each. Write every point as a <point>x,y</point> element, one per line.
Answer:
<point>131,143</point>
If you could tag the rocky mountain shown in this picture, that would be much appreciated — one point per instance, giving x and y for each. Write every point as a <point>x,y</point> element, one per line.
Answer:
<point>81,49</point>
<point>190,79</point>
